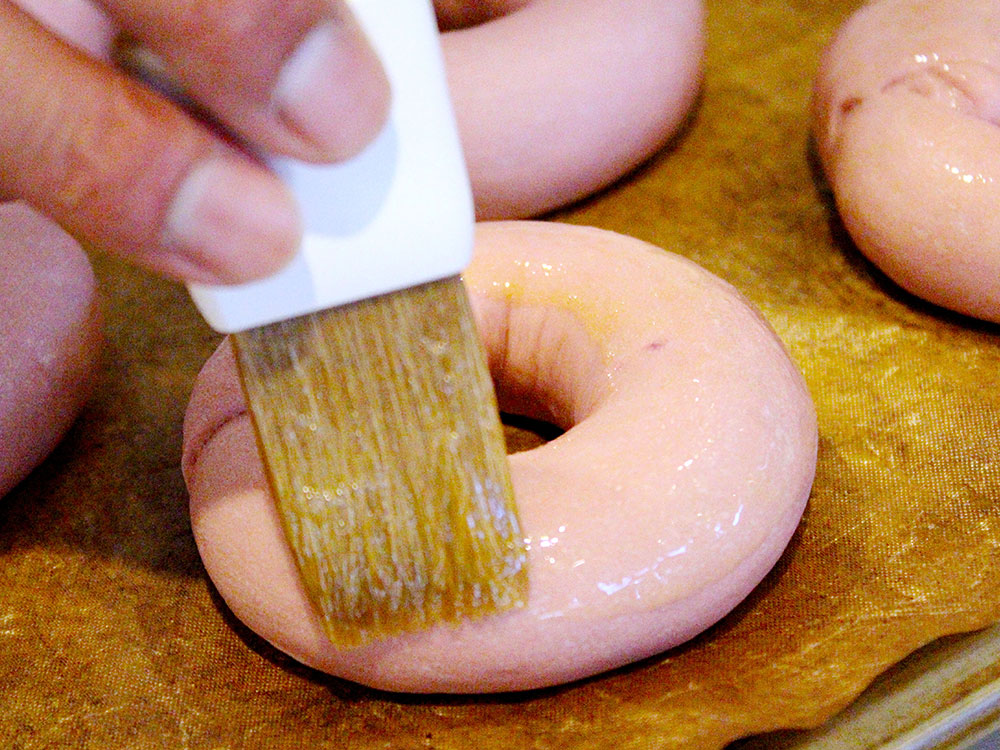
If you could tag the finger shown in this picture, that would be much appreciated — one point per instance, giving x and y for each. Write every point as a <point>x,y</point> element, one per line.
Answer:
<point>122,169</point>
<point>78,22</point>
<point>295,77</point>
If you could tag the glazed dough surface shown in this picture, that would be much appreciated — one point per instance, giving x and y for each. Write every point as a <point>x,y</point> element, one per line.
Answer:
<point>906,109</point>
<point>687,459</point>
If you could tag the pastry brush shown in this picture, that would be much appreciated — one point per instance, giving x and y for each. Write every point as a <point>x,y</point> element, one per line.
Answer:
<point>365,377</point>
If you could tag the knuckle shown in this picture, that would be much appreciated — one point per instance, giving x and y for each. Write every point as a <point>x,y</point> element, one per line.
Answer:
<point>225,33</point>
<point>79,161</point>
<point>104,161</point>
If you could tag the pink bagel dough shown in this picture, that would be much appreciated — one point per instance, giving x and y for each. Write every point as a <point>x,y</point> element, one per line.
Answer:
<point>906,109</point>
<point>562,97</point>
<point>50,336</point>
<point>688,458</point>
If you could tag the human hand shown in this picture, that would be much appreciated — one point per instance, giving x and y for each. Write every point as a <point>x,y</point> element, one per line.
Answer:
<point>124,169</point>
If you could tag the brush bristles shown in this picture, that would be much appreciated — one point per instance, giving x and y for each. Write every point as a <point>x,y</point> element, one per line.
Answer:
<point>378,426</point>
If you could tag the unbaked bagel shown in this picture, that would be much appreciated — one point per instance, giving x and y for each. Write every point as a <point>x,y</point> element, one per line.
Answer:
<point>906,108</point>
<point>560,98</point>
<point>50,336</point>
<point>687,458</point>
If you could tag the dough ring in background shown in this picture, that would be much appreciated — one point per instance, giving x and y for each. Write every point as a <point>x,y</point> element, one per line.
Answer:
<point>687,458</point>
<point>556,99</point>
<point>50,338</point>
<point>906,109</point>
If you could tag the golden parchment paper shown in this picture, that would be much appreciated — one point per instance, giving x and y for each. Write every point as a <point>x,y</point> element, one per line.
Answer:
<point>111,635</point>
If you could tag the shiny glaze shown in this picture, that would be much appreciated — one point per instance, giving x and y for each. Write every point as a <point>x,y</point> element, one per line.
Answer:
<point>906,109</point>
<point>687,459</point>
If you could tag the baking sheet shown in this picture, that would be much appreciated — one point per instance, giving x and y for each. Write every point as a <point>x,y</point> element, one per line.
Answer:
<point>110,634</point>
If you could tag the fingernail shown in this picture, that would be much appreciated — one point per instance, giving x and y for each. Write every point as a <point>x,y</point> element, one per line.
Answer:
<point>231,222</point>
<point>332,90</point>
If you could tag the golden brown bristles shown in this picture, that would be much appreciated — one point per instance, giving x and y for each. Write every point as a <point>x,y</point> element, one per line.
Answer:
<point>379,429</point>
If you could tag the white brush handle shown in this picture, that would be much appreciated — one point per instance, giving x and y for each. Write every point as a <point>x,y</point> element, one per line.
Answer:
<point>397,215</point>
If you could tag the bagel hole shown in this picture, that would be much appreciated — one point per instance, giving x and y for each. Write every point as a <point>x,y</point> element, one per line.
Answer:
<point>524,433</point>
<point>463,14</point>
